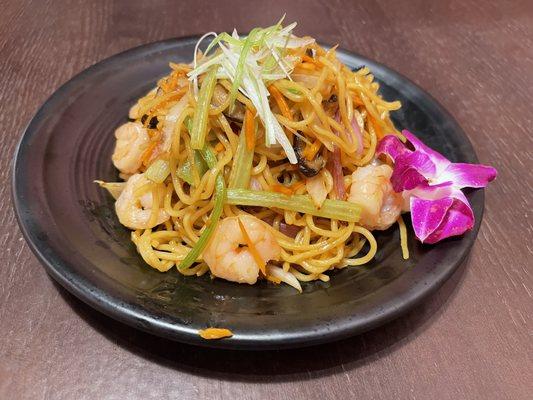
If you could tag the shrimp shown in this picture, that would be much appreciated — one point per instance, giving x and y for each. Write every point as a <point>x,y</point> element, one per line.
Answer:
<point>132,140</point>
<point>371,188</point>
<point>228,256</point>
<point>135,213</point>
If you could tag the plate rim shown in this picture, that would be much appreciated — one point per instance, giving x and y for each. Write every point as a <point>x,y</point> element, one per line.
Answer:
<point>111,305</point>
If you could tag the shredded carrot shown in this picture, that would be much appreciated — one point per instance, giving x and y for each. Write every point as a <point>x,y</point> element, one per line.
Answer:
<point>176,96</point>
<point>147,154</point>
<point>311,60</point>
<point>357,101</point>
<point>282,189</point>
<point>306,66</point>
<point>249,129</point>
<point>171,83</point>
<point>280,100</point>
<point>215,333</point>
<point>287,190</point>
<point>219,147</point>
<point>153,134</point>
<point>257,258</point>
<point>295,186</point>
<point>311,149</point>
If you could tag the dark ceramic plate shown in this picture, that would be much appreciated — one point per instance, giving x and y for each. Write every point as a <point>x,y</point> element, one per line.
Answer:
<point>70,224</point>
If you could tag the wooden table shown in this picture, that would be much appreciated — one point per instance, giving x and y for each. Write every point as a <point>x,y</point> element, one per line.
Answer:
<point>472,340</point>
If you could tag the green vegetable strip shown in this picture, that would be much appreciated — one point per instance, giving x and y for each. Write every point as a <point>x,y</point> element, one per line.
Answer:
<point>220,194</point>
<point>239,71</point>
<point>242,164</point>
<point>222,37</point>
<point>158,171</point>
<point>199,121</point>
<point>188,123</point>
<point>334,209</point>
<point>185,171</point>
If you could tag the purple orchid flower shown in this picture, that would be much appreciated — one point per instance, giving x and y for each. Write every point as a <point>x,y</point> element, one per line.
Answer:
<point>431,185</point>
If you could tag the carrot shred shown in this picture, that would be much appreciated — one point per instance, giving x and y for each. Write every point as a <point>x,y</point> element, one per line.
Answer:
<point>258,260</point>
<point>249,129</point>
<point>357,101</point>
<point>147,154</point>
<point>287,190</point>
<point>295,186</point>
<point>282,189</point>
<point>311,149</point>
<point>311,60</point>
<point>215,333</point>
<point>306,66</point>
<point>219,147</point>
<point>280,100</point>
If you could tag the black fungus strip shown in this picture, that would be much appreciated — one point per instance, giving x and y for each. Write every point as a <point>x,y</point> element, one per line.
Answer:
<point>306,167</point>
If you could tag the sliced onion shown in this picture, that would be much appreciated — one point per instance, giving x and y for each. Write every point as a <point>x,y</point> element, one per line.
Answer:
<point>283,276</point>
<point>357,131</point>
<point>316,187</point>
<point>170,121</point>
<point>335,167</point>
<point>309,81</point>
<point>289,230</point>
<point>255,184</point>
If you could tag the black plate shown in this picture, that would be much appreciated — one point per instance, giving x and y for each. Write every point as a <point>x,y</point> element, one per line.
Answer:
<point>70,224</point>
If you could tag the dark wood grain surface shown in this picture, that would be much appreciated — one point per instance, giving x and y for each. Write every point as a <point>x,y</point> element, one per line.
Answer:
<point>472,340</point>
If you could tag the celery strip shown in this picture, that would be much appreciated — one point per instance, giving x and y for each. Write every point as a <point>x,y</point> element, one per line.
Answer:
<point>199,121</point>
<point>158,171</point>
<point>242,164</point>
<point>333,209</point>
<point>185,171</point>
<point>188,123</point>
<point>220,194</point>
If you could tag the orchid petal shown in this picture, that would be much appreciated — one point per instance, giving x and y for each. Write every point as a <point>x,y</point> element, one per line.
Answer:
<point>468,175</point>
<point>428,215</point>
<point>435,220</point>
<point>411,170</point>
<point>430,186</point>
<point>432,192</point>
<point>441,162</point>
<point>391,146</point>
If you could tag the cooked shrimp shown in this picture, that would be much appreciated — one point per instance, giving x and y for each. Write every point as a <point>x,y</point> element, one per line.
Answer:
<point>133,212</point>
<point>228,256</point>
<point>371,188</point>
<point>132,140</point>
